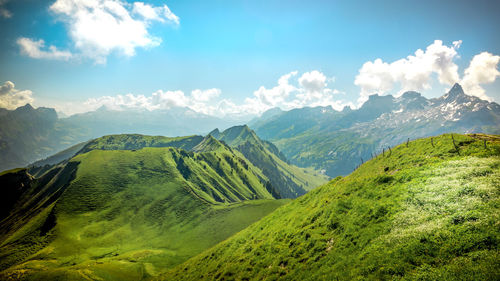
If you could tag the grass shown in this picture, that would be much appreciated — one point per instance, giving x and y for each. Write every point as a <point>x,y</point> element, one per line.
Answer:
<point>131,214</point>
<point>288,181</point>
<point>428,211</point>
<point>283,179</point>
<point>11,171</point>
<point>136,141</point>
<point>337,142</point>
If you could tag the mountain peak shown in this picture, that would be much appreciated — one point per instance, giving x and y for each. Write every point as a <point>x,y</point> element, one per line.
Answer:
<point>240,128</point>
<point>215,133</point>
<point>377,98</point>
<point>26,107</point>
<point>455,92</point>
<point>209,143</point>
<point>102,108</point>
<point>410,95</point>
<point>271,112</point>
<point>377,101</point>
<point>237,135</point>
<point>456,89</point>
<point>347,108</point>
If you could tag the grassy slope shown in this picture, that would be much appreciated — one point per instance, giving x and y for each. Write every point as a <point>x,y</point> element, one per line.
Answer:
<point>417,213</point>
<point>328,151</point>
<point>289,180</point>
<point>60,156</point>
<point>129,214</point>
<point>136,141</point>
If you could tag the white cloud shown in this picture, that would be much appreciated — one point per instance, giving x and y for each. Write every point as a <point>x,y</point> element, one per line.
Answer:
<point>310,89</point>
<point>275,96</point>
<point>202,101</point>
<point>149,12</point>
<point>99,27</point>
<point>199,101</point>
<point>158,100</point>
<point>169,15</point>
<point>313,81</point>
<point>482,70</point>
<point>416,72</point>
<point>4,13</point>
<point>6,88</point>
<point>205,95</point>
<point>314,92</point>
<point>411,73</point>
<point>11,98</point>
<point>35,49</point>
<point>168,99</point>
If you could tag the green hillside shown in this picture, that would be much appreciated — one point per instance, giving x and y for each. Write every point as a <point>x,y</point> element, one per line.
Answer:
<point>126,214</point>
<point>288,180</point>
<point>136,141</point>
<point>336,142</point>
<point>282,179</point>
<point>426,210</point>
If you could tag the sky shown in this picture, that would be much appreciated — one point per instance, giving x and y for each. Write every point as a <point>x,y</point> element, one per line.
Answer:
<point>226,58</point>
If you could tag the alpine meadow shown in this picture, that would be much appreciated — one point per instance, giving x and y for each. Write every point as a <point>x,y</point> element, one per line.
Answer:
<point>249,140</point>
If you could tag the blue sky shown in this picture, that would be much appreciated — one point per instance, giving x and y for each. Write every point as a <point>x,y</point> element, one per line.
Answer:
<point>234,52</point>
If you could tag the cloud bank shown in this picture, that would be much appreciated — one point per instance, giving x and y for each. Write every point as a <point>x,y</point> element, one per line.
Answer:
<point>310,89</point>
<point>291,91</point>
<point>416,72</point>
<point>482,70</point>
<point>411,73</point>
<point>98,28</point>
<point>11,98</point>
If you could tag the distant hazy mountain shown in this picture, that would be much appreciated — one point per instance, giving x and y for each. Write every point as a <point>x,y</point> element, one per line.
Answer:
<point>338,141</point>
<point>172,122</point>
<point>29,134</point>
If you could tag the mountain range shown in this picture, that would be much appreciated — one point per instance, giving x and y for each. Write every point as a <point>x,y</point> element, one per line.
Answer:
<point>331,141</point>
<point>230,205</point>
<point>134,207</point>
<point>338,141</point>
<point>29,134</point>
<point>426,211</point>
<point>128,206</point>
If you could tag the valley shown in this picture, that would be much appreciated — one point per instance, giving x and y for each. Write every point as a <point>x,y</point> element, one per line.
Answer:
<point>338,141</point>
<point>249,140</point>
<point>126,207</point>
<point>230,205</point>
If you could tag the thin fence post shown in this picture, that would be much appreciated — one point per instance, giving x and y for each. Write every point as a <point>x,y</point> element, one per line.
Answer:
<point>454,144</point>
<point>407,142</point>
<point>432,142</point>
<point>484,141</point>
<point>383,151</point>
